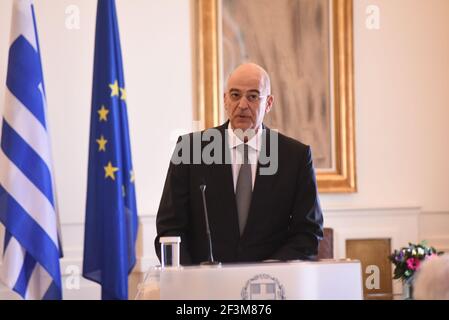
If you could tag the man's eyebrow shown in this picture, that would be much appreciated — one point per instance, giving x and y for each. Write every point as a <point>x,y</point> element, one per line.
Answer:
<point>251,90</point>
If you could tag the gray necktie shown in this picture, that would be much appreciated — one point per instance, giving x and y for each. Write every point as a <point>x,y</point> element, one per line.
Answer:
<point>244,189</point>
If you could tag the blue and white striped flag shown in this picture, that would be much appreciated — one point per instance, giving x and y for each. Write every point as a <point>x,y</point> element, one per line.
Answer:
<point>28,207</point>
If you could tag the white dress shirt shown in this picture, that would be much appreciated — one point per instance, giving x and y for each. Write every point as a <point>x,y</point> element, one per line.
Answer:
<point>254,145</point>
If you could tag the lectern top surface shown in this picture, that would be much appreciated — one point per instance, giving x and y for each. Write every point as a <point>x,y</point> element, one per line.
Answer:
<point>273,263</point>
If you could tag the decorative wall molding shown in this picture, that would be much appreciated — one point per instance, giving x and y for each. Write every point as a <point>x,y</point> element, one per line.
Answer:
<point>369,210</point>
<point>435,213</point>
<point>400,224</point>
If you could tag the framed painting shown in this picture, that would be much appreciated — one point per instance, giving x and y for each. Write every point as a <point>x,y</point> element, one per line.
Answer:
<point>307,48</point>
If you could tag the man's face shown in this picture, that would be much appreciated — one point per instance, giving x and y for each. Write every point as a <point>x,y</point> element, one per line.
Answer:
<point>247,98</point>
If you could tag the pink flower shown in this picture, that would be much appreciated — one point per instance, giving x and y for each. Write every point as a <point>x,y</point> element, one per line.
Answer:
<point>413,263</point>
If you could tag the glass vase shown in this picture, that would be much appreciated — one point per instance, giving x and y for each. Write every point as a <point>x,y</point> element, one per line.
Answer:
<point>407,289</point>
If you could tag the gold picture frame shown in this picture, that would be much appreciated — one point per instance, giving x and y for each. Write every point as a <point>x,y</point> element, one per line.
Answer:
<point>342,178</point>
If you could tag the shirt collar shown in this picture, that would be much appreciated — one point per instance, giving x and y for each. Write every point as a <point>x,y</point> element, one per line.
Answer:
<point>254,142</point>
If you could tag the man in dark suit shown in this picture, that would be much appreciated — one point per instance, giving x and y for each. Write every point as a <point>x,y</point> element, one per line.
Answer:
<point>261,189</point>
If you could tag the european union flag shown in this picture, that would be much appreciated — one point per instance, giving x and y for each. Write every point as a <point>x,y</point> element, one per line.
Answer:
<point>111,214</point>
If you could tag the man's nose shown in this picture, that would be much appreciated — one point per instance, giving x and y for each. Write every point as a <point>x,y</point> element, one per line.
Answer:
<point>243,103</point>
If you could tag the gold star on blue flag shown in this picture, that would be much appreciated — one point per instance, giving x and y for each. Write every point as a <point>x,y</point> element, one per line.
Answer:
<point>111,214</point>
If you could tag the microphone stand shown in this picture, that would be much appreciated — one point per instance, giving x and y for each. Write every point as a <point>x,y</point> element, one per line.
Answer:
<point>211,261</point>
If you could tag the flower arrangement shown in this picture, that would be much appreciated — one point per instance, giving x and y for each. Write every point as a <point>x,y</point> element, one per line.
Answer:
<point>407,260</point>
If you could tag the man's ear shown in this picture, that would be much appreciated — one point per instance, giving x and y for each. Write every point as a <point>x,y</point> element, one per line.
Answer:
<point>270,101</point>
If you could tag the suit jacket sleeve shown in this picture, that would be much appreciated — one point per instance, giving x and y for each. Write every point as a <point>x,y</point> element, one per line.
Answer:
<point>306,221</point>
<point>173,214</point>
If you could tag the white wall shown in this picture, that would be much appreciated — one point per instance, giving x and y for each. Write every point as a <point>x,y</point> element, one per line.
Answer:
<point>402,106</point>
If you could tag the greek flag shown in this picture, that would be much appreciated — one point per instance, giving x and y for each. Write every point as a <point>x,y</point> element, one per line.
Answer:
<point>28,211</point>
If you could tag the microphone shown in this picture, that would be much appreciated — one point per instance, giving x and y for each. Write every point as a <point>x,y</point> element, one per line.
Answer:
<point>211,260</point>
